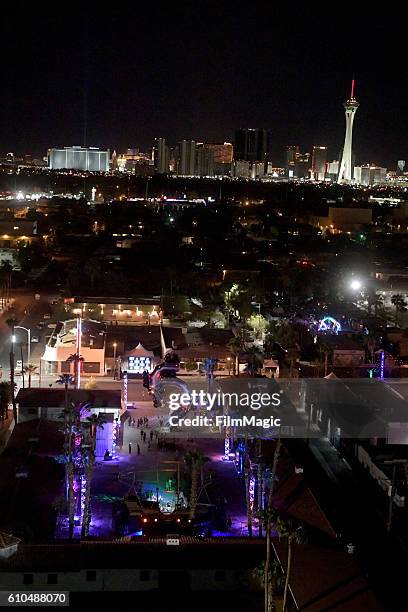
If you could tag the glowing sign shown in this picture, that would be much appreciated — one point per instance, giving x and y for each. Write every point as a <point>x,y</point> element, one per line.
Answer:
<point>138,365</point>
<point>226,446</point>
<point>382,362</point>
<point>328,324</point>
<point>125,389</point>
<point>251,490</point>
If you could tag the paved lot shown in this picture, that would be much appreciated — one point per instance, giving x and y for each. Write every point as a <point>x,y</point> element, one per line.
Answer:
<point>149,466</point>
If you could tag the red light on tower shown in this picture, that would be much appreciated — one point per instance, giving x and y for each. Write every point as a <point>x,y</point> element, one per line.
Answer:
<point>352,89</point>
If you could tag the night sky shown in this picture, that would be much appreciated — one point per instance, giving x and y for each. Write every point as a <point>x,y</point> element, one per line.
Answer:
<point>200,70</point>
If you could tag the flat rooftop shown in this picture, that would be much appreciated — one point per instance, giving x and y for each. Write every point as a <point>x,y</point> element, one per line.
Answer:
<point>55,398</point>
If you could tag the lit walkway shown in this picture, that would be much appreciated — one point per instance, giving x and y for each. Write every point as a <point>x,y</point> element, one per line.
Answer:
<point>221,479</point>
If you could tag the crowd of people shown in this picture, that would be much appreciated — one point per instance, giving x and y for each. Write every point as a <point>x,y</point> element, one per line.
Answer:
<point>146,438</point>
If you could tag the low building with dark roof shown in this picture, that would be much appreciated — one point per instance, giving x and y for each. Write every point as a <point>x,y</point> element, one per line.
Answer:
<point>321,578</point>
<point>118,310</point>
<point>195,345</point>
<point>31,480</point>
<point>126,337</point>
<point>48,404</point>
<point>347,350</point>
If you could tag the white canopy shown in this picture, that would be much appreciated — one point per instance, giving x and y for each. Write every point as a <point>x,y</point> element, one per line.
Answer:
<point>139,351</point>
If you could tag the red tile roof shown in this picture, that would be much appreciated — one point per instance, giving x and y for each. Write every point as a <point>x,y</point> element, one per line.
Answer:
<point>326,579</point>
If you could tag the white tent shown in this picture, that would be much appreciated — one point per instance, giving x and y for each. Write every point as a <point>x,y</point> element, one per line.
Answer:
<point>139,351</point>
<point>139,359</point>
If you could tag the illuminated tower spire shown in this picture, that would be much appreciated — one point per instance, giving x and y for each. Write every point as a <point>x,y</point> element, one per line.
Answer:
<point>346,170</point>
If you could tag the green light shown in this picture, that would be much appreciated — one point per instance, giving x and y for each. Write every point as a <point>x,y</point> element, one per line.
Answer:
<point>371,373</point>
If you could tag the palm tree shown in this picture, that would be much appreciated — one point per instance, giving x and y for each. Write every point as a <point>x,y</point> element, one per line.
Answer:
<point>6,273</point>
<point>69,470</point>
<point>12,322</point>
<point>276,581</point>
<point>237,300</point>
<point>237,345</point>
<point>76,359</point>
<point>374,300</point>
<point>267,519</point>
<point>371,341</point>
<point>5,395</point>
<point>294,532</point>
<point>66,380</point>
<point>259,325</point>
<point>209,366</point>
<point>260,478</point>
<point>73,416</point>
<point>30,369</point>
<point>243,305</point>
<point>400,305</point>
<point>194,460</point>
<point>254,359</point>
<point>229,298</point>
<point>292,356</point>
<point>284,334</point>
<point>89,427</point>
<point>247,479</point>
<point>325,350</point>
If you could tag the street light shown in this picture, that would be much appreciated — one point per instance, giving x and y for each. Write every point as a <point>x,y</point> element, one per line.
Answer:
<point>356,285</point>
<point>28,339</point>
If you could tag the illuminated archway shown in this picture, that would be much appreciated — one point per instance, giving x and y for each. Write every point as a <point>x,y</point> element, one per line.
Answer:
<point>329,324</point>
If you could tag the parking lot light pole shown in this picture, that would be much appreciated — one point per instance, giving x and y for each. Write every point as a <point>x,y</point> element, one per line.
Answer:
<point>29,341</point>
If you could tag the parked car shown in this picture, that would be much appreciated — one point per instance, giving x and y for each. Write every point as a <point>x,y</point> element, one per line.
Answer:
<point>34,339</point>
<point>47,316</point>
<point>40,325</point>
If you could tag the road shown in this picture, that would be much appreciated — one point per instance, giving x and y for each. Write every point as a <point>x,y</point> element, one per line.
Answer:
<point>29,312</point>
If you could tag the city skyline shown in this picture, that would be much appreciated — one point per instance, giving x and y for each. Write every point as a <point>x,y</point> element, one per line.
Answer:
<point>203,81</point>
<point>279,158</point>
